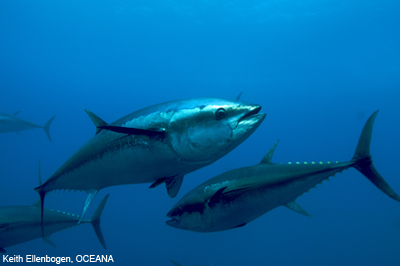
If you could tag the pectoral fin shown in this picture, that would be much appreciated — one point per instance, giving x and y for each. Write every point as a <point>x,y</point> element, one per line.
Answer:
<point>216,198</point>
<point>296,207</point>
<point>173,184</point>
<point>135,131</point>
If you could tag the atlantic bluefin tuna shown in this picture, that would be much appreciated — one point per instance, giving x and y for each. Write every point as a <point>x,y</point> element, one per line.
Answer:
<point>237,197</point>
<point>158,144</point>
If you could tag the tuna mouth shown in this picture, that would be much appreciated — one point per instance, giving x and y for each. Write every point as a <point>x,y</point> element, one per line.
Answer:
<point>172,222</point>
<point>253,112</point>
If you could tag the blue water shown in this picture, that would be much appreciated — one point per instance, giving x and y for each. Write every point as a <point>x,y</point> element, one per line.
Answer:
<point>318,68</point>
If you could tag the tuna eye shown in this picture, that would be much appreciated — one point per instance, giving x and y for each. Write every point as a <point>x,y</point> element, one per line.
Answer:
<point>220,113</point>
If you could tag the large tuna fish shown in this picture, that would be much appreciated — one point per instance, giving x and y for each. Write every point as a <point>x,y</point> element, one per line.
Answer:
<point>158,144</point>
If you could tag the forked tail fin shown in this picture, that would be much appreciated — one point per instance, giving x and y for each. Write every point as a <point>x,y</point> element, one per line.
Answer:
<point>363,160</point>
<point>95,221</point>
<point>46,128</point>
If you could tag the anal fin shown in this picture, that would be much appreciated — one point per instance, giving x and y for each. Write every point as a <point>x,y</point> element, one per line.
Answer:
<point>296,207</point>
<point>49,241</point>
<point>91,195</point>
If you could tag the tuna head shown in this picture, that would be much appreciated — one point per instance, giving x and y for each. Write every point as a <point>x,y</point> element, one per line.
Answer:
<point>204,130</point>
<point>191,213</point>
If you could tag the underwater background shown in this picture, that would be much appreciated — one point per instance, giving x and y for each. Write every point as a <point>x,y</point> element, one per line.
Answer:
<point>318,69</point>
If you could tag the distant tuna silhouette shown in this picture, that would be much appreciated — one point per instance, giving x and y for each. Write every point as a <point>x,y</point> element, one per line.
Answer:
<point>12,123</point>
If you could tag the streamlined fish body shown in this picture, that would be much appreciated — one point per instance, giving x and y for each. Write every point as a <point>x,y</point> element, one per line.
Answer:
<point>157,144</point>
<point>12,123</point>
<point>237,197</point>
<point>19,224</point>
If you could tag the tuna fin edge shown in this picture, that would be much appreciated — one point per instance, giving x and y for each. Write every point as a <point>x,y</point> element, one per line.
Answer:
<point>97,121</point>
<point>296,207</point>
<point>240,225</point>
<point>173,185</point>
<point>95,221</point>
<point>268,157</point>
<point>175,263</point>
<point>135,131</point>
<point>42,195</point>
<point>216,198</point>
<point>363,160</point>
<point>91,195</point>
<point>46,128</point>
<point>50,242</point>
<point>158,182</point>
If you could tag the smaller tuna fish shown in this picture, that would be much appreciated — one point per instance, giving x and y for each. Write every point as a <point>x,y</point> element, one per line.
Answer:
<point>11,123</point>
<point>237,197</point>
<point>19,224</point>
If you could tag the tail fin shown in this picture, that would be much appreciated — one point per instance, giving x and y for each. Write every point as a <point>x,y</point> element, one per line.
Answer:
<point>363,160</point>
<point>96,221</point>
<point>42,194</point>
<point>46,128</point>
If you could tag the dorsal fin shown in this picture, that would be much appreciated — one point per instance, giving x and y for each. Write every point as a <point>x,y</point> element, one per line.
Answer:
<point>268,157</point>
<point>238,97</point>
<point>15,113</point>
<point>97,121</point>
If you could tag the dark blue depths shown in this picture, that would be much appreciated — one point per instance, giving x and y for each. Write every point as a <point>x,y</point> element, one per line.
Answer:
<point>318,69</point>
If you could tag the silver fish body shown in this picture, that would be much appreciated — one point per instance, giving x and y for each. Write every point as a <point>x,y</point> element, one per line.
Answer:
<point>157,144</point>
<point>237,197</point>
<point>184,145</point>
